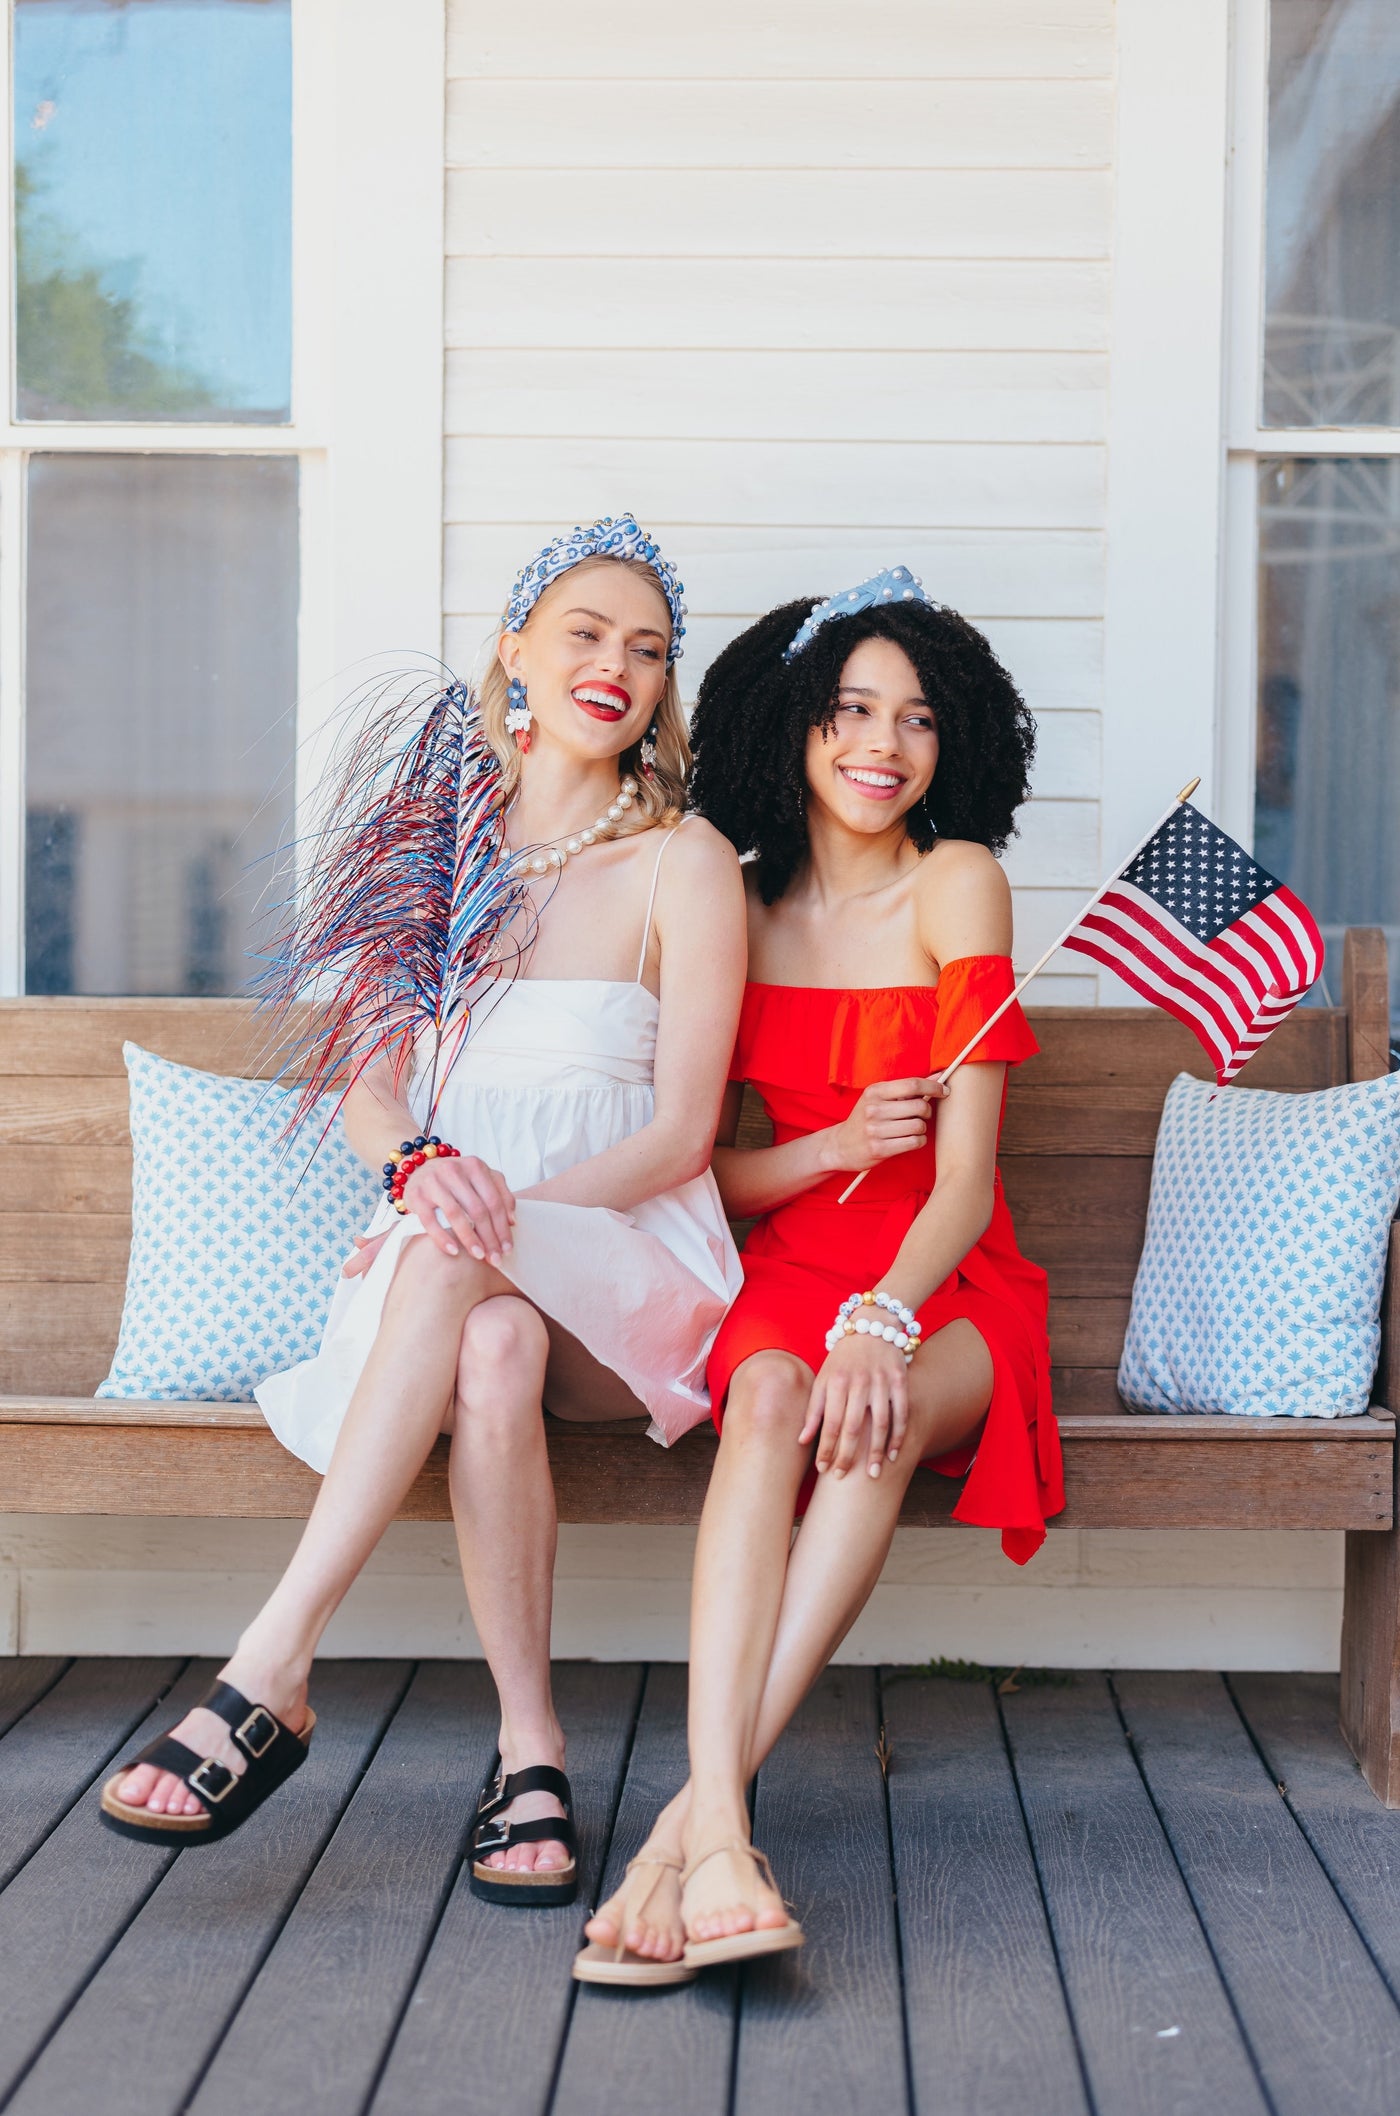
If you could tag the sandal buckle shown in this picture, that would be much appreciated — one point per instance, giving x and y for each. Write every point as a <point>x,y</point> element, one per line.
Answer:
<point>257,1733</point>
<point>212,1780</point>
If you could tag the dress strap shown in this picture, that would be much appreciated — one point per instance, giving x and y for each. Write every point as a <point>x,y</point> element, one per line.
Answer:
<point>651,900</point>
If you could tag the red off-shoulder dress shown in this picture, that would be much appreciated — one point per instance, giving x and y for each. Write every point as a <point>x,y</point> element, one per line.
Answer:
<point>810,1052</point>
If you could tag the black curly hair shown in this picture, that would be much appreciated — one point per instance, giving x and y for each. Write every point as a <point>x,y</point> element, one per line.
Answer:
<point>754,713</point>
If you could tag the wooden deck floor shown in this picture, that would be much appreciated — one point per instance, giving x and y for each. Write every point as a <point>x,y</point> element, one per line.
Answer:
<point>1144,1893</point>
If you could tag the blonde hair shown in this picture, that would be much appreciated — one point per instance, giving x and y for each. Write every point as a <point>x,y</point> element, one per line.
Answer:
<point>660,798</point>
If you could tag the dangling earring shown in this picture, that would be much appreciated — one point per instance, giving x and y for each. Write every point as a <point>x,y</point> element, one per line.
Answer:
<point>649,752</point>
<point>518,715</point>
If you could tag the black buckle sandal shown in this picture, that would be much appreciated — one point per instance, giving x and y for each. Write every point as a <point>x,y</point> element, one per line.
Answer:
<point>229,1797</point>
<point>523,1888</point>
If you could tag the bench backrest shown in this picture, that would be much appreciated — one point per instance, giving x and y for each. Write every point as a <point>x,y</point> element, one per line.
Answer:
<point>1076,1152</point>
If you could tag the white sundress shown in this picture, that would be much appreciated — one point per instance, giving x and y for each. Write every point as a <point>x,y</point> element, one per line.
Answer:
<point>557,1071</point>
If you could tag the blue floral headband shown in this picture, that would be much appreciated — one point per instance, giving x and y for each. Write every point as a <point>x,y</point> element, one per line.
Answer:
<point>615,536</point>
<point>891,584</point>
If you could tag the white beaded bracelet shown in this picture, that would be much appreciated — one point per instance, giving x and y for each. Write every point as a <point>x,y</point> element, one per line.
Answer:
<point>902,1328</point>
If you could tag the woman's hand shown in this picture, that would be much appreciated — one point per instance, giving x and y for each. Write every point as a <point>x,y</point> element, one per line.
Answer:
<point>891,1117</point>
<point>473,1199</point>
<point>864,1378</point>
<point>367,1248</point>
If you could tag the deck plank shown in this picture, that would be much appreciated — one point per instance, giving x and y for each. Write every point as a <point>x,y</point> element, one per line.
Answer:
<point>972,1924</point>
<point>683,2036</point>
<point>1308,1995</point>
<point>335,1984</point>
<point>78,1891</point>
<point>1154,2025</point>
<point>140,2035</point>
<point>1294,1720</point>
<point>23,1682</point>
<point>821,2030</point>
<point>51,1755</point>
<point>493,1997</point>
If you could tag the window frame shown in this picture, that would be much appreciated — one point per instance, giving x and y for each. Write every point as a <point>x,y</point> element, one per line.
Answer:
<point>368,163</point>
<point>1247,441</point>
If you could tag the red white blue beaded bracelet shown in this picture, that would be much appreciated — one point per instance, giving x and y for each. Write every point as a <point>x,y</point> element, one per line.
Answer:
<point>900,1326</point>
<point>403,1161</point>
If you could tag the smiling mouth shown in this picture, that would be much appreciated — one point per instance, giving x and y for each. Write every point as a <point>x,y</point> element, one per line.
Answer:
<point>605,701</point>
<point>875,785</point>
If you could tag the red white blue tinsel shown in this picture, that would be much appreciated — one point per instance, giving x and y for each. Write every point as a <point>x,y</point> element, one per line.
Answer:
<point>405,893</point>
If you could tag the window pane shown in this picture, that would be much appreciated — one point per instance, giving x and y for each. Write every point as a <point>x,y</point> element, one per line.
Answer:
<point>153,209</point>
<point>162,597</point>
<point>1332,275</point>
<point>1327,778</point>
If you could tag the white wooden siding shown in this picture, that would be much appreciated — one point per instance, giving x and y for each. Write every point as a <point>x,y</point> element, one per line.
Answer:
<point>804,324</point>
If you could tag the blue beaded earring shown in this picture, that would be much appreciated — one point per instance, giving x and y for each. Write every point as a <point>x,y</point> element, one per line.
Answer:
<point>518,714</point>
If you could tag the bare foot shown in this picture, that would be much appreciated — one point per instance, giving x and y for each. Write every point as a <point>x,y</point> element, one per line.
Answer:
<point>551,1853</point>
<point>727,1893</point>
<point>161,1792</point>
<point>645,1914</point>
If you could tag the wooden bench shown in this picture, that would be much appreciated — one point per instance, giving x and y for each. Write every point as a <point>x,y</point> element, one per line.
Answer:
<point>1076,1159</point>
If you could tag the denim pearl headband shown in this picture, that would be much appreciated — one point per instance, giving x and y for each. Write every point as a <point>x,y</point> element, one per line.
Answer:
<point>891,584</point>
<point>615,536</point>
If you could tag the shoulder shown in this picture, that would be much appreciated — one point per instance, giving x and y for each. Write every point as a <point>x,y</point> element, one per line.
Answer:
<point>963,901</point>
<point>699,872</point>
<point>700,852</point>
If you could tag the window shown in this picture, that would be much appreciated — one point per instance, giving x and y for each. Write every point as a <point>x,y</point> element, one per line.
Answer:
<point>1315,454</point>
<point>220,455</point>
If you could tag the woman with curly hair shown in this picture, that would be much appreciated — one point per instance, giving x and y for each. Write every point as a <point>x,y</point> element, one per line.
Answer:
<point>870,752</point>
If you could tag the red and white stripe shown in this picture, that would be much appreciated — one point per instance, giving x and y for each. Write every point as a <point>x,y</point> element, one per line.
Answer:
<point>1233,991</point>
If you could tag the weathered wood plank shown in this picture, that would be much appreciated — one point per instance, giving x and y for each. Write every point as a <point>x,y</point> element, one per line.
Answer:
<point>24,1682</point>
<point>64,1248</point>
<point>971,1921</point>
<point>1202,1473</point>
<point>1081,1217</point>
<point>687,2040</point>
<point>64,1111</point>
<point>1307,1993</point>
<point>336,1982</point>
<point>1294,1720</point>
<point>141,2033</point>
<point>51,1755</point>
<point>1154,2025</point>
<point>80,1889</point>
<point>57,1340</point>
<point>494,1993</point>
<point>821,2029</point>
<point>1366,996</point>
<point>83,1038</point>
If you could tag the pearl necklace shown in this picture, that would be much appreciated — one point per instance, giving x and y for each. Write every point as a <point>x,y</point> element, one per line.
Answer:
<point>598,832</point>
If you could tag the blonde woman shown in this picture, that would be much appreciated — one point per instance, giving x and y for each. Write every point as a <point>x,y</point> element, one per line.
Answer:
<point>571,1252</point>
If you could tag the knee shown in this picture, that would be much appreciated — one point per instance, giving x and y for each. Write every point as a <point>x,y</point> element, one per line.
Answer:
<point>768,1400</point>
<point>504,1342</point>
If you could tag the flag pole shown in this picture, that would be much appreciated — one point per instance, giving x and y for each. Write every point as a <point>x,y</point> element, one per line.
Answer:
<point>1055,945</point>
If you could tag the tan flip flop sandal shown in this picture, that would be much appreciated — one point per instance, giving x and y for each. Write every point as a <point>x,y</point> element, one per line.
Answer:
<point>597,1964</point>
<point>742,1946</point>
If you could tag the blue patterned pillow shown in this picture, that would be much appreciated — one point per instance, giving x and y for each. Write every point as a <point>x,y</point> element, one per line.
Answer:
<point>235,1243</point>
<point>1259,1287</point>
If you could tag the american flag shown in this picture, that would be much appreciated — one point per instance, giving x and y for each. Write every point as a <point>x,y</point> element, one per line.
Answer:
<point>1200,929</point>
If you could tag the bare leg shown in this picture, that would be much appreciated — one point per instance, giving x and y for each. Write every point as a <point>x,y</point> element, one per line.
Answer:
<point>394,1416</point>
<point>503,1507</point>
<point>736,1715</point>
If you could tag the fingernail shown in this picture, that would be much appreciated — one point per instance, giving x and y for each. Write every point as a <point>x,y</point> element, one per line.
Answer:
<point>510,1248</point>
<point>894,1454</point>
<point>480,1255</point>
<point>452,1251</point>
<point>838,1474</point>
<point>874,1469</point>
<point>821,1469</point>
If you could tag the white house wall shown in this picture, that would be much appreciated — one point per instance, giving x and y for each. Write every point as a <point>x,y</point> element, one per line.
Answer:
<point>804,321</point>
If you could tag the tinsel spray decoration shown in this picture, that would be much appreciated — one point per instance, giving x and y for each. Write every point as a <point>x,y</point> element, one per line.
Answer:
<point>406,894</point>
